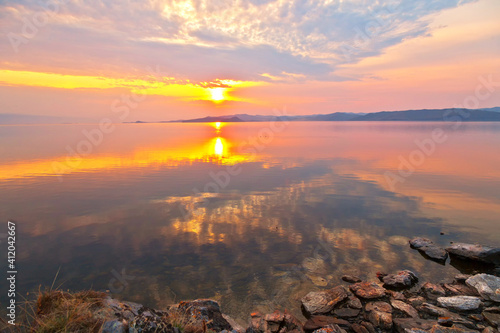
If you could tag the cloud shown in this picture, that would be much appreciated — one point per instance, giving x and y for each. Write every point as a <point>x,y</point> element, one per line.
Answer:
<point>206,39</point>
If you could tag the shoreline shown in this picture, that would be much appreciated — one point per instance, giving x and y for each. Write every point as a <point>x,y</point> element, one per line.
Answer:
<point>396,302</point>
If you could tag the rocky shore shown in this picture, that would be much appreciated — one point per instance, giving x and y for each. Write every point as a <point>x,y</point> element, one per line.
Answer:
<point>396,302</point>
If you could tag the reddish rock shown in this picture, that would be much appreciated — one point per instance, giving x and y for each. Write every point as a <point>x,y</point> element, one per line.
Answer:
<point>381,319</point>
<point>416,301</point>
<point>460,290</point>
<point>402,280</point>
<point>492,318</point>
<point>433,290</point>
<point>316,322</point>
<point>378,306</point>
<point>405,308</point>
<point>453,329</point>
<point>397,295</point>
<point>404,325</point>
<point>320,302</point>
<point>276,322</point>
<point>368,326</point>
<point>354,303</point>
<point>330,329</point>
<point>357,328</point>
<point>368,290</point>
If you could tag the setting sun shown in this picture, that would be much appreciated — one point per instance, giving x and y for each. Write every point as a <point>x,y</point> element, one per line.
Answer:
<point>217,94</point>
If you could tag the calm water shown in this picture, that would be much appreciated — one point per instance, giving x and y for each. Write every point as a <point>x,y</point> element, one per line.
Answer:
<point>247,214</point>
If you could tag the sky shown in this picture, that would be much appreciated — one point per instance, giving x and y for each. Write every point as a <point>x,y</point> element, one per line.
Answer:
<point>164,59</point>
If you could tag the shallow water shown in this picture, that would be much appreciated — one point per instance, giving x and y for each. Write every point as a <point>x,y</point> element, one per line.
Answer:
<point>253,215</point>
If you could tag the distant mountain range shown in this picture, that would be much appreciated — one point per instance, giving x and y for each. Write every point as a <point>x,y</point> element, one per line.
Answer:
<point>491,114</point>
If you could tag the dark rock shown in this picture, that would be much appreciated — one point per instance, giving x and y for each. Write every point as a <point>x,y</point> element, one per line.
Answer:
<point>367,290</point>
<point>368,326</point>
<point>150,320</point>
<point>316,322</point>
<point>445,321</point>
<point>460,303</point>
<point>320,302</point>
<point>429,249</point>
<point>475,252</point>
<point>460,278</point>
<point>351,279</point>
<point>330,329</point>
<point>402,280</point>
<point>378,306</point>
<point>489,329</point>
<point>433,290</point>
<point>416,301</point>
<point>346,313</point>
<point>492,318</point>
<point>357,328</point>
<point>276,322</point>
<point>397,295</point>
<point>208,311</point>
<point>453,329</point>
<point>354,303</point>
<point>460,290</point>
<point>404,325</point>
<point>405,308</point>
<point>434,310</point>
<point>488,286</point>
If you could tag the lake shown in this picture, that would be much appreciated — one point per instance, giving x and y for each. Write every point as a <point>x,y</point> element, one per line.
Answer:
<point>253,215</point>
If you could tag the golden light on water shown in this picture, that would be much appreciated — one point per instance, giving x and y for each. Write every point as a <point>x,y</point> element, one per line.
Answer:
<point>219,147</point>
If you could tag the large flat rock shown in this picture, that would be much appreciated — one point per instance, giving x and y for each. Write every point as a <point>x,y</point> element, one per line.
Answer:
<point>474,252</point>
<point>488,286</point>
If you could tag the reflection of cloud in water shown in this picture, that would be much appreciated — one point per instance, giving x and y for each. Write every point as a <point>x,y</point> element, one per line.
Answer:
<point>248,248</point>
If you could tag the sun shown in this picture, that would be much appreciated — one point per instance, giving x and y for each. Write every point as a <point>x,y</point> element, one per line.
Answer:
<point>217,94</point>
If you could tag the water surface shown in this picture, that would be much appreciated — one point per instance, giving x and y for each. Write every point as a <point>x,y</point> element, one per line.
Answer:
<point>254,215</point>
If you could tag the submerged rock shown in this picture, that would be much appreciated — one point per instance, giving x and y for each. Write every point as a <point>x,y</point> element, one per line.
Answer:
<point>476,252</point>
<point>460,303</point>
<point>429,249</point>
<point>320,302</point>
<point>367,290</point>
<point>351,279</point>
<point>402,280</point>
<point>276,322</point>
<point>488,286</point>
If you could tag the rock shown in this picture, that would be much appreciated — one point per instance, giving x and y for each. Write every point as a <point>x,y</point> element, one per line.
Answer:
<point>475,252</point>
<point>453,329</point>
<point>429,249</point>
<point>397,295</point>
<point>114,326</point>
<point>460,303</point>
<point>367,290</point>
<point>354,303</point>
<point>276,322</point>
<point>402,280</point>
<point>357,328</point>
<point>405,308</point>
<point>433,290</point>
<point>330,329</point>
<point>416,301</point>
<point>380,319</point>
<point>236,327</point>
<point>351,279</point>
<point>445,321</point>
<point>404,325</point>
<point>488,286</point>
<point>460,278</point>
<point>434,310</point>
<point>492,318</point>
<point>368,326</point>
<point>208,311</point>
<point>316,322</point>
<point>150,320</point>
<point>489,330</point>
<point>346,313</point>
<point>320,302</point>
<point>378,306</point>
<point>460,290</point>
